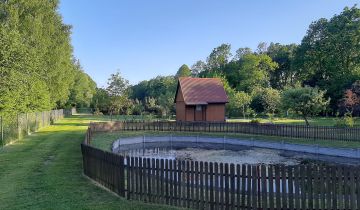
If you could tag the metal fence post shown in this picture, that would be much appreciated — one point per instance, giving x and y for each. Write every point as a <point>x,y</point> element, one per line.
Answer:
<point>18,125</point>
<point>2,130</point>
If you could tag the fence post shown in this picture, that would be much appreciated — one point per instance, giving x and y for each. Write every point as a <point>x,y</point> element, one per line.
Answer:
<point>18,125</point>
<point>2,130</point>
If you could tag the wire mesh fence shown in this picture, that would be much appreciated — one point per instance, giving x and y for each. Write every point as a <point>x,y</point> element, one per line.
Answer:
<point>17,126</point>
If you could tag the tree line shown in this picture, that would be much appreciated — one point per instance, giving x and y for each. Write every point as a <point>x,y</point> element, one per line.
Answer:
<point>38,70</point>
<point>321,75</point>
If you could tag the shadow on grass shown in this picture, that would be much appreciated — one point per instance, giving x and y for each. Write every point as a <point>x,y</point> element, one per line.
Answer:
<point>71,124</point>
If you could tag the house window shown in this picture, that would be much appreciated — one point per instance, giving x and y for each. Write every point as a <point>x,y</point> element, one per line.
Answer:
<point>198,107</point>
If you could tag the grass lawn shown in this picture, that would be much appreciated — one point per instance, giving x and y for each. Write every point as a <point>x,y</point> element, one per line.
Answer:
<point>104,140</point>
<point>44,171</point>
<point>319,121</point>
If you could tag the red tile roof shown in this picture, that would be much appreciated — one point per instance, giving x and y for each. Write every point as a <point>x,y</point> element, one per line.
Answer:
<point>202,90</point>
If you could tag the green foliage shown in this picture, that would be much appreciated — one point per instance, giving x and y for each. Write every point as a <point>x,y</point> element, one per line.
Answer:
<point>37,71</point>
<point>218,58</point>
<point>285,74</point>
<point>266,100</point>
<point>306,101</point>
<point>156,94</point>
<point>329,53</point>
<point>118,93</point>
<point>184,71</point>
<point>346,121</point>
<point>83,89</point>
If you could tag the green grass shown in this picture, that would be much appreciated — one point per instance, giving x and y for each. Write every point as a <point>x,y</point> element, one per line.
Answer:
<point>44,171</point>
<point>319,121</point>
<point>104,140</point>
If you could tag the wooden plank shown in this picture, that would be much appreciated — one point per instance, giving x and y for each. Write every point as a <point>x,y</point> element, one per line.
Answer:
<point>188,184</point>
<point>238,185</point>
<point>263,187</point>
<point>142,164</point>
<point>197,184</point>
<point>193,180</point>
<point>171,182</point>
<point>277,187</point>
<point>248,187</point>
<point>271,187</point>
<point>334,187</point>
<point>358,185</point>
<point>179,182</point>
<point>132,176</point>
<point>254,182</point>
<point>157,181</point>
<point>303,187</point>
<point>243,186</point>
<point>346,185</point>
<point>283,187</point>
<point>166,176</point>
<point>175,182</point>
<point>217,186</point>
<point>162,193</point>
<point>290,187</point>
<point>211,173</point>
<point>328,188</point>
<point>227,187</point>
<point>222,185</point>
<point>232,186</point>
<point>206,190</point>
<point>322,187</point>
<point>352,189</point>
<point>309,184</point>
<point>201,188</point>
<point>341,189</point>
<point>316,187</point>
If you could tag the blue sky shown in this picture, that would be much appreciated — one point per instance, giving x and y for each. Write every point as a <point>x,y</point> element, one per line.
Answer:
<point>147,38</point>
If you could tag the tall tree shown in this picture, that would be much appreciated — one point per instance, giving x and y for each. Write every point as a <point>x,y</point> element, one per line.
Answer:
<point>118,92</point>
<point>184,71</point>
<point>306,101</point>
<point>285,74</point>
<point>329,53</point>
<point>218,58</point>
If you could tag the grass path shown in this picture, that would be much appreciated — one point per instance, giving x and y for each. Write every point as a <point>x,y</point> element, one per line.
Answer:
<point>44,171</point>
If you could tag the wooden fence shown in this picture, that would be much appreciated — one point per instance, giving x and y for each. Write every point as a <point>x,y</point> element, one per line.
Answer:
<point>293,131</point>
<point>208,185</point>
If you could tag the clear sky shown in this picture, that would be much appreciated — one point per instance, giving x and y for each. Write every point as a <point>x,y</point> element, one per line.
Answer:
<point>147,38</point>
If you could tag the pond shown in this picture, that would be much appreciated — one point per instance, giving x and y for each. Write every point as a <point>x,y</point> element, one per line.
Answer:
<point>189,148</point>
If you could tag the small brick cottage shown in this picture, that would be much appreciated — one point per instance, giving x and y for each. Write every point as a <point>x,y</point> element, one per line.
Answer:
<point>200,99</point>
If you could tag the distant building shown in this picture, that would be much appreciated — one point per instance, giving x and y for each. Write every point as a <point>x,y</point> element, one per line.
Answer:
<point>200,99</point>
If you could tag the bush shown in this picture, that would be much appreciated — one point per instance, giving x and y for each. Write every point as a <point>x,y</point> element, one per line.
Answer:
<point>257,120</point>
<point>346,121</point>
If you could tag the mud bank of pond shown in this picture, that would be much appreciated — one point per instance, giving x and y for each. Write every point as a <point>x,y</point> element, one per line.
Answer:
<point>232,151</point>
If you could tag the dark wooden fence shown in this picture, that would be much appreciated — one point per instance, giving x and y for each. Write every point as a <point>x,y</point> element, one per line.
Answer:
<point>208,185</point>
<point>293,131</point>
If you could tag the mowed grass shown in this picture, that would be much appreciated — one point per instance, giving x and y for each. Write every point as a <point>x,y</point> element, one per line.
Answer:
<point>44,171</point>
<point>318,121</point>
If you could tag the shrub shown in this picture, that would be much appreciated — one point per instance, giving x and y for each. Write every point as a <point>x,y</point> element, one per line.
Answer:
<point>346,121</point>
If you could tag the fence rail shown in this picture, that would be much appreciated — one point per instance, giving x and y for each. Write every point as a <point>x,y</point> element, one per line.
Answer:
<point>293,131</point>
<point>208,185</point>
<point>17,126</point>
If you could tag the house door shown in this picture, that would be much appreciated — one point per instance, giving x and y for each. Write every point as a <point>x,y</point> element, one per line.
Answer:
<point>200,113</point>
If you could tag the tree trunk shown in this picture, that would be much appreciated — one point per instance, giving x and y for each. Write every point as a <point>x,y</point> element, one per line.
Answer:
<point>306,120</point>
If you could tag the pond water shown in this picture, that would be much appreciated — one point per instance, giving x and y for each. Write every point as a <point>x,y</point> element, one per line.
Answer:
<point>236,154</point>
